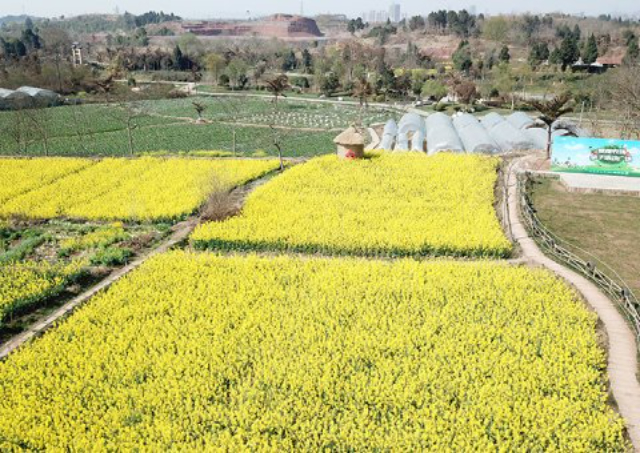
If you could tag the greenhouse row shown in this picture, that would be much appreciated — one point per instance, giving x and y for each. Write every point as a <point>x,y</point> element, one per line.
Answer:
<point>491,134</point>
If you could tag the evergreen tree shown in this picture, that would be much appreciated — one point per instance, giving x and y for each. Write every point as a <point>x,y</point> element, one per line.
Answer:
<point>539,53</point>
<point>590,51</point>
<point>462,57</point>
<point>569,52</point>
<point>555,57</point>
<point>290,61</point>
<point>577,33</point>
<point>504,56</point>
<point>633,52</point>
<point>178,59</point>
<point>307,61</point>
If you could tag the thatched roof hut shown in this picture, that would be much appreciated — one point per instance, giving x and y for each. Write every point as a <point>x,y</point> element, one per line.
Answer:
<point>350,143</point>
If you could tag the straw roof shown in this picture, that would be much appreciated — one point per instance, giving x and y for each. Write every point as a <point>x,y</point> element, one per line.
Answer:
<point>351,136</point>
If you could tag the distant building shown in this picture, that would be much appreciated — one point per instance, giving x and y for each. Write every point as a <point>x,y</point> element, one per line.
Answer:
<point>76,54</point>
<point>395,13</point>
<point>276,26</point>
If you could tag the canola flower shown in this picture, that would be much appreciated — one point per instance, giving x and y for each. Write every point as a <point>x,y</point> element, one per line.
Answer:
<point>198,352</point>
<point>138,189</point>
<point>392,205</point>
<point>21,175</point>
<point>100,237</point>
<point>27,283</point>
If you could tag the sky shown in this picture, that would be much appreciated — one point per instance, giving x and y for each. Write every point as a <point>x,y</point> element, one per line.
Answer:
<point>245,8</point>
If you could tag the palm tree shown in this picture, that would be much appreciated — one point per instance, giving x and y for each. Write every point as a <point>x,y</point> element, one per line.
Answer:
<point>550,111</point>
<point>278,85</point>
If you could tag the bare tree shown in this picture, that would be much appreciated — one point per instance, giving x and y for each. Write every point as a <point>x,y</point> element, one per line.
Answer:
<point>200,108</point>
<point>38,119</point>
<point>277,86</point>
<point>625,93</point>
<point>550,111</point>
<point>363,90</point>
<point>17,128</point>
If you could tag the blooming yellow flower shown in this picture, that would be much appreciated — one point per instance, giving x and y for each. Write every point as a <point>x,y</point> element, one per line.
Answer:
<point>199,352</point>
<point>138,189</point>
<point>392,205</point>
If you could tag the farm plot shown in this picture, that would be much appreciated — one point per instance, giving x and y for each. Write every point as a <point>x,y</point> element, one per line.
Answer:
<point>167,125</point>
<point>197,351</point>
<point>139,189</point>
<point>21,175</point>
<point>255,110</point>
<point>24,284</point>
<point>393,205</point>
<point>41,260</point>
<point>27,131</point>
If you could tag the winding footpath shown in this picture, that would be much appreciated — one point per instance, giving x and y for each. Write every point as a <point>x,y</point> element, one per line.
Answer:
<point>622,363</point>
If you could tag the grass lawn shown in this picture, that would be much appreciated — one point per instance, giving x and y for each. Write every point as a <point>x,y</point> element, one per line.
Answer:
<point>606,226</point>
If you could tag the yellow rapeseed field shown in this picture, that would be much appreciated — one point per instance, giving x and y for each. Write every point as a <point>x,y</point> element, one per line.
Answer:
<point>196,352</point>
<point>25,283</point>
<point>21,175</point>
<point>392,205</point>
<point>138,189</point>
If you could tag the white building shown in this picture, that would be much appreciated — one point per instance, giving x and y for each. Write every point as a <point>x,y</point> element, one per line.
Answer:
<point>395,13</point>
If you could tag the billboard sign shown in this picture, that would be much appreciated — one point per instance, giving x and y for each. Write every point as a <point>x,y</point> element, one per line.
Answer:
<point>596,155</point>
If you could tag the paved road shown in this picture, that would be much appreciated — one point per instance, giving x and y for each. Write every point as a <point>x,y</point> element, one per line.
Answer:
<point>622,363</point>
<point>601,183</point>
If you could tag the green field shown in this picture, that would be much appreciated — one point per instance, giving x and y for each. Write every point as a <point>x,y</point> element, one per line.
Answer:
<point>603,225</point>
<point>304,129</point>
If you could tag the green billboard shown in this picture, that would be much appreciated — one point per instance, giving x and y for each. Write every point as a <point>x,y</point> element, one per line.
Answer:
<point>596,155</point>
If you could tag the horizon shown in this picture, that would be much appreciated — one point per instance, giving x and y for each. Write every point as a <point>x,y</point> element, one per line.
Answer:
<point>199,10</point>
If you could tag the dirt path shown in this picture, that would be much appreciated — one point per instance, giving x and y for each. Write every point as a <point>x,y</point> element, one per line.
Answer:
<point>623,353</point>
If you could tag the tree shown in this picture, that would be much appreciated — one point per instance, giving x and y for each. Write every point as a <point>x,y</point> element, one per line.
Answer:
<point>307,61</point>
<point>538,54</point>
<point>569,52</point>
<point>277,86</point>
<point>351,27</point>
<point>363,90</point>
<point>462,57</point>
<point>290,61</point>
<point>200,108</point>
<point>416,23</point>
<point>466,91</point>
<point>434,90</point>
<point>590,51</point>
<point>632,56</point>
<point>236,70</point>
<point>214,64</point>
<point>555,57</point>
<point>550,111</point>
<point>140,37</point>
<point>178,59</point>
<point>577,33</point>
<point>624,86</point>
<point>504,56</point>
<point>496,29</point>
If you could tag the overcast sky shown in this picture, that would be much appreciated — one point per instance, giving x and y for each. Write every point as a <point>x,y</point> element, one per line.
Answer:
<point>240,8</point>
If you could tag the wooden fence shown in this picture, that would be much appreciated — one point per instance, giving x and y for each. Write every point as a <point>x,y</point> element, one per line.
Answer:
<point>614,287</point>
